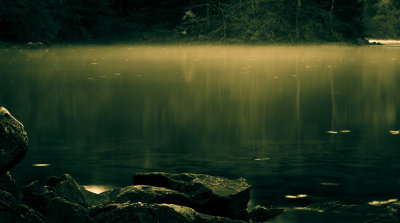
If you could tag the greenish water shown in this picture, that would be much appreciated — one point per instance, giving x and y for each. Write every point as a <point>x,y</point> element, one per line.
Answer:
<point>315,120</point>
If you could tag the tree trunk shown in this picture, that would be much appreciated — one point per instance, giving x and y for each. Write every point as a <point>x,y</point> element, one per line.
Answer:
<point>298,11</point>
<point>208,14</point>
<point>332,16</point>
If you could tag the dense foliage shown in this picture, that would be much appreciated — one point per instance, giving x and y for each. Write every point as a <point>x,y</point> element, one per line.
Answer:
<point>382,18</point>
<point>211,20</point>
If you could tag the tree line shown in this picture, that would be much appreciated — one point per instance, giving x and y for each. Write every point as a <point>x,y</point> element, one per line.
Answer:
<point>197,20</point>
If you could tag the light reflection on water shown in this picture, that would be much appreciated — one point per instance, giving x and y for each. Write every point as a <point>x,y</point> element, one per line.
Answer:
<point>289,119</point>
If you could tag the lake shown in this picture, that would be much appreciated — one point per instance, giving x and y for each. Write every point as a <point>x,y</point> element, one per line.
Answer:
<point>323,121</point>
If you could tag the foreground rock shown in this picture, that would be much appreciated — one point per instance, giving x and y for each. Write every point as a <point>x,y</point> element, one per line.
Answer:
<point>7,183</point>
<point>66,187</point>
<point>152,213</point>
<point>212,195</point>
<point>149,194</point>
<point>12,210</point>
<point>13,141</point>
<point>62,211</point>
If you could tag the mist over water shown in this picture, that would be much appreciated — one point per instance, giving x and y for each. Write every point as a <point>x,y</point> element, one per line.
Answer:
<point>315,120</point>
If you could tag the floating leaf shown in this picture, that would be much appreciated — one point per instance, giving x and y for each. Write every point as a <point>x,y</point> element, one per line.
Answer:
<point>41,164</point>
<point>261,159</point>
<point>376,203</point>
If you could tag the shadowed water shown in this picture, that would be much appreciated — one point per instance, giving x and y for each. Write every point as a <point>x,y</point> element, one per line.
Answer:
<point>317,120</point>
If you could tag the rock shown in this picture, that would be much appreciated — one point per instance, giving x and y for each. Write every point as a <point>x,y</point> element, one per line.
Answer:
<point>394,210</point>
<point>62,211</point>
<point>37,196</point>
<point>149,194</point>
<point>13,141</point>
<point>93,198</point>
<point>66,187</point>
<point>212,195</point>
<point>34,45</point>
<point>152,213</point>
<point>363,212</point>
<point>261,214</point>
<point>12,210</point>
<point>7,183</point>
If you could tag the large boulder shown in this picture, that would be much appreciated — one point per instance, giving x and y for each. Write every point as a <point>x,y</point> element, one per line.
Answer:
<point>13,141</point>
<point>12,210</point>
<point>212,195</point>
<point>148,194</point>
<point>152,213</point>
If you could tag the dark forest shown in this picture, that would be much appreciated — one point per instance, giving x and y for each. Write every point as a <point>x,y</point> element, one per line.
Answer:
<point>235,21</point>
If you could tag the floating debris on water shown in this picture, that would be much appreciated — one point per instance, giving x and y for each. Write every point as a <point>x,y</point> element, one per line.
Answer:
<point>309,209</point>
<point>296,196</point>
<point>332,132</point>
<point>345,131</point>
<point>41,164</point>
<point>376,203</point>
<point>91,78</point>
<point>394,132</point>
<point>116,74</point>
<point>261,159</point>
<point>94,63</point>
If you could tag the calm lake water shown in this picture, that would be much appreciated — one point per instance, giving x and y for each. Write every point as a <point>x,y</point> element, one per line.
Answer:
<point>317,120</point>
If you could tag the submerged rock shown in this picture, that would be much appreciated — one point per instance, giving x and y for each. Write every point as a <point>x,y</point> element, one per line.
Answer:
<point>261,214</point>
<point>363,212</point>
<point>13,141</point>
<point>152,213</point>
<point>12,210</point>
<point>212,195</point>
<point>149,194</point>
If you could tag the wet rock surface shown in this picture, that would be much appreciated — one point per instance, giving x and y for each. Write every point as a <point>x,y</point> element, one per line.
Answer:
<point>13,141</point>
<point>212,195</point>
<point>149,194</point>
<point>152,213</point>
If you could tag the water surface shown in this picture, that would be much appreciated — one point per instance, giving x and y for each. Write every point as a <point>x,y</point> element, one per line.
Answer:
<point>317,120</point>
